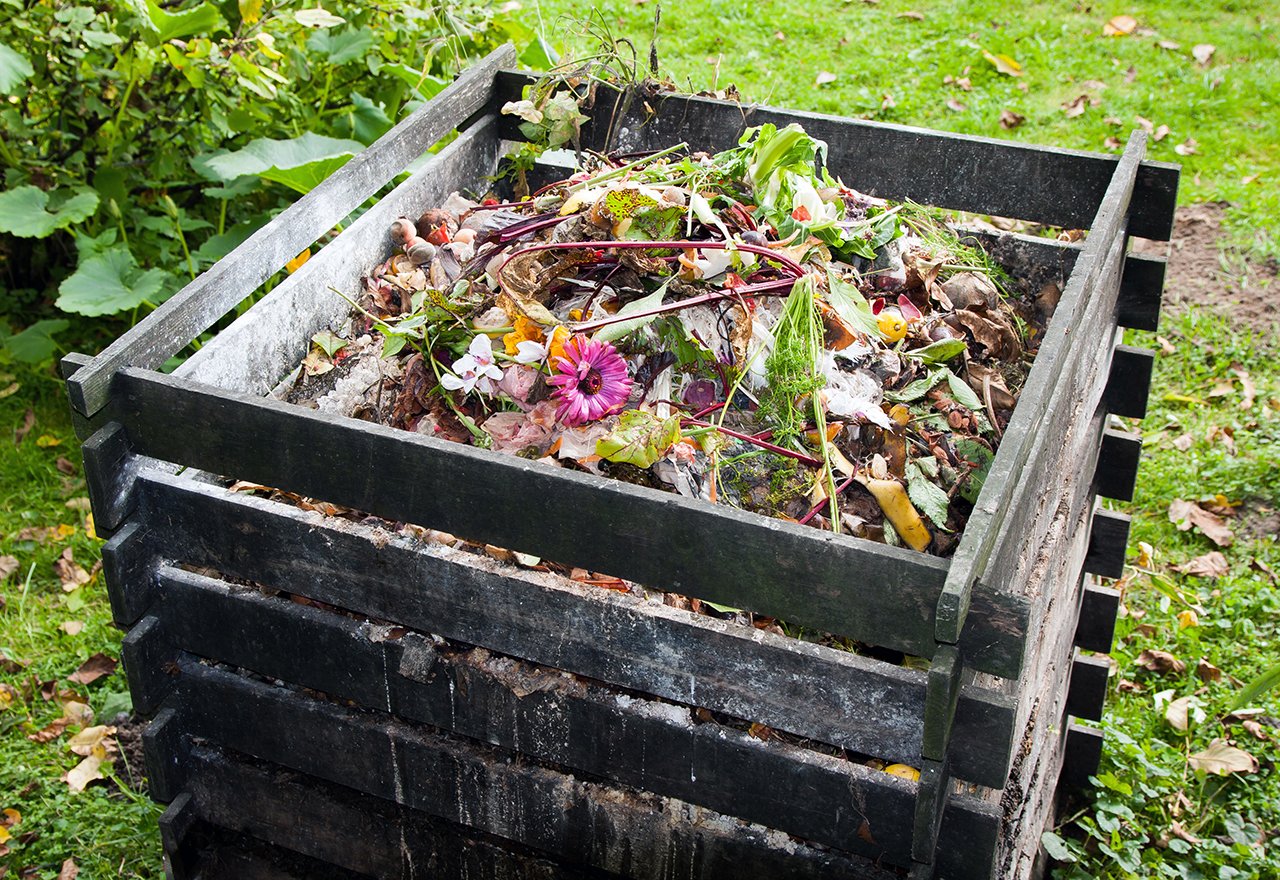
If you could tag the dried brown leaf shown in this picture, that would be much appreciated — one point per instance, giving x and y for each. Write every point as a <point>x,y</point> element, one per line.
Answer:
<point>1010,120</point>
<point>1144,123</point>
<point>911,15</point>
<point>1113,143</point>
<point>824,77</point>
<point>1161,132</point>
<point>956,106</point>
<point>65,466</point>
<point>1255,728</point>
<point>1186,148</point>
<point>73,576</point>
<point>71,627</point>
<point>1160,662</point>
<point>1223,758</point>
<point>1170,45</point>
<point>1187,514</point>
<point>8,565</point>
<point>1177,713</point>
<point>1248,390</point>
<point>89,769</point>
<point>1203,53</point>
<point>28,422</point>
<point>1183,442</point>
<point>1075,107</point>
<point>96,667</point>
<point>1206,671</point>
<point>69,870</point>
<point>91,739</point>
<point>1211,565</point>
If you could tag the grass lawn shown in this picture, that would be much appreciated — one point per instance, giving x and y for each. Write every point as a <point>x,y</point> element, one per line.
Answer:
<point>1152,815</point>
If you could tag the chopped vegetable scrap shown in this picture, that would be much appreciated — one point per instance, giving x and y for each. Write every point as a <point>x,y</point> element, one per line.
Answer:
<point>738,327</point>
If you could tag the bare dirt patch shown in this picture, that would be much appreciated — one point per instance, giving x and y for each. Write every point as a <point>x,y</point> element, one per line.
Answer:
<point>1204,271</point>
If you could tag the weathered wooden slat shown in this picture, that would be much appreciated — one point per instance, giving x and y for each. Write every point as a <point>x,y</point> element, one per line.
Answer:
<point>1141,291</point>
<point>635,834</point>
<point>176,823</point>
<point>334,833</point>
<point>197,306</point>
<point>109,470</point>
<point>1116,476</point>
<point>931,801</point>
<point>962,172</point>
<point>1130,381</point>
<point>800,687</point>
<point>571,723</point>
<point>1083,755</point>
<point>126,570</point>
<point>263,345</point>
<point>866,591</point>
<point>1088,688</point>
<point>147,660</point>
<point>166,750</point>
<point>1108,539</point>
<point>1061,350</point>
<point>1097,626</point>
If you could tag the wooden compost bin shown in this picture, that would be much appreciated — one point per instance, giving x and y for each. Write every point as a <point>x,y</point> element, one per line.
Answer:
<point>334,700</point>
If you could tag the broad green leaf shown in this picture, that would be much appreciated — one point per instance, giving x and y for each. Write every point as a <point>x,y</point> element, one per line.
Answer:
<point>111,282</point>
<point>14,68</point>
<point>939,352</point>
<point>368,120</point>
<point>317,18</point>
<point>329,342</point>
<point>215,247</point>
<point>963,394</point>
<point>300,163</point>
<point>917,389</point>
<point>202,19</point>
<point>641,438</point>
<point>1056,847</point>
<point>851,306</point>
<point>971,450</point>
<point>424,84</point>
<point>613,332</point>
<point>26,212</point>
<point>35,344</point>
<point>342,47</point>
<point>928,498</point>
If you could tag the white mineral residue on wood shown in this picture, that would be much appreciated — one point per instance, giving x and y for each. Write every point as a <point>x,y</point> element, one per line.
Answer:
<point>670,712</point>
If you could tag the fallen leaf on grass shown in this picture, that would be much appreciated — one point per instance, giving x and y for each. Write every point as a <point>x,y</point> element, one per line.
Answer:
<point>1187,514</point>
<point>1207,672</point>
<point>1249,178</point>
<point>81,504</point>
<point>1211,565</point>
<point>1160,661</point>
<point>911,15</point>
<point>93,739</point>
<point>1113,143</point>
<point>8,565</point>
<point>824,77</point>
<point>1247,389</point>
<point>96,667</point>
<point>1187,618</point>
<point>1120,26</point>
<point>1186,148</point>
<point>1222,758</point>
<point>1161,132</point>
<point>1003,63</point>
<point>73,576</point>
<point>50,731</point>
<point>1255,728</point>
<point>1183,442</point>
<point>1182,712</point>
<point>1170,45</point>
<point>1260,566</point>
<point>1203,53</point>
<point>79,776</point>
<point>1075,107</point>
<point>28,422</point>
<point>71,627</point>
<point>1009,119</point>
<point>962,82</point>
<point>956,106</point>
<point>69,870</point>
<point>44,441</point>
<point>65,466</point>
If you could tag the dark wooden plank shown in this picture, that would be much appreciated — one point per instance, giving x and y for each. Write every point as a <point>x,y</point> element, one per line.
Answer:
<point>1108,540</point>
<point>176,823</point>
<point>67,367</point>
<point>223,855</point>
<point>109,470</point>
<point>197,306</point>
<point>571,723</point>
<point>266,343</point>
<point>1130,381</point>
<point>1088,295</point>
<point>800,687</point>
<point>1088,689</point>
<point>1141,291</point>
<point>941,700</point>
<point>866,591</point>
<point>635,834</point>
<point>1116,476</point>
<point>126,568</point>
<point>934,794</point>
<point>1083,755</point>
<point>166,751</point>
<point>1097,626</point>
<point>147,656</point>
<point>964,172</point>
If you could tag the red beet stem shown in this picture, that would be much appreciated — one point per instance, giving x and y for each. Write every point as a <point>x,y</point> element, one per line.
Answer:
<point>825,501</point>
<point>755,441</point>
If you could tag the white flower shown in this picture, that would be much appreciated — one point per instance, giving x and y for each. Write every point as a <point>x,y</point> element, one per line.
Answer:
<point>529,351</point>
<point>475,370</point>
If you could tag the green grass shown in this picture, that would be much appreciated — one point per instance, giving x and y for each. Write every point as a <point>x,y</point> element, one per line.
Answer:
<point>1124,831</point>
<point>109,830</point>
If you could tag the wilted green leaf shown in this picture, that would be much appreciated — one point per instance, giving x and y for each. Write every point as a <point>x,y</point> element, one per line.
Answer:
<point>917,389</point>
<point>35,344</point>
<point>851,305</point>
<point>14,68</point>
<point>641,438</point>
<point>963,394</point>
<point>202,19</point>
<point>939,352</point>
<point>329,342</point>
<point>25,211</point>
<point>616,331</point>
<point>300,163</point>
<point>927,497</point>
<point>111,282</point>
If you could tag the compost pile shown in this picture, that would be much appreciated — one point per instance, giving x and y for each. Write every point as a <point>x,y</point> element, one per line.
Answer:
<point>738,327</point>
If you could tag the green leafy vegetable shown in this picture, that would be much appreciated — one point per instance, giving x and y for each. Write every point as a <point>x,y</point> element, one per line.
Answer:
<point>641,438</point>
<point>939,352</point>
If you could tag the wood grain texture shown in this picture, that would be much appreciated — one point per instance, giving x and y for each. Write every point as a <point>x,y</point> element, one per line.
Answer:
<point>109,471</point>
<point>867,591</point>
<point>263,345</point>
<point>197,306</point>
<point>566,722</point>
<point>963,172</point>
<point>631,833</point>
<point>1083,317</point>
<point>126,571</point>
<point>800,687</point>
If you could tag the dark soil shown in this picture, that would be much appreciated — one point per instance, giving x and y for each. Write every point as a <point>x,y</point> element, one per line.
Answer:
<point>130,765</point>
<point>1204,271</point>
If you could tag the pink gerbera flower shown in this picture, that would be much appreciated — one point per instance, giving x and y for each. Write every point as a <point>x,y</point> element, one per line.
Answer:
<point>592,379</point>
